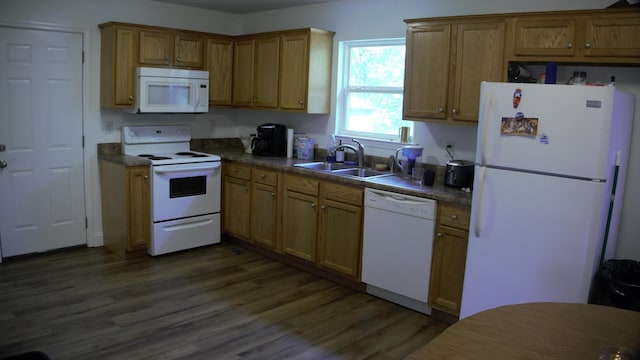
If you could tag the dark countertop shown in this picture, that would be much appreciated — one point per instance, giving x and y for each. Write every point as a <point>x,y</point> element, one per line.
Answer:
<point>230,152</point>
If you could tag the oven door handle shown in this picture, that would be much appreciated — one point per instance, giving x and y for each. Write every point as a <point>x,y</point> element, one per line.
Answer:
<point>185,167</point>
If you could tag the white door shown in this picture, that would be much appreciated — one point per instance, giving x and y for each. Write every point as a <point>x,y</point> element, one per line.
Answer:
<point>41,165</point>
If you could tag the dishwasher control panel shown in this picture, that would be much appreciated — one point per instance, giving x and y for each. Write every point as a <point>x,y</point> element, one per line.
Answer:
<point>400,203</point>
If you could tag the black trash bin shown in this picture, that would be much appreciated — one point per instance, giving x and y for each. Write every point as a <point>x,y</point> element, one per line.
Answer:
<point>619,284</point>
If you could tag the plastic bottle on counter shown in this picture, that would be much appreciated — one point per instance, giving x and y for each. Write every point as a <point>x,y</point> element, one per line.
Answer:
<point>331,149</point>
<point>340,153</point>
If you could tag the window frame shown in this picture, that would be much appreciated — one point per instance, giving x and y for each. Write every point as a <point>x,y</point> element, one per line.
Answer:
<point>345,90</point>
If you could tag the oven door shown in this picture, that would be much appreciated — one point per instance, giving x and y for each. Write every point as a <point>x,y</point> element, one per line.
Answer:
<point>185,190</point>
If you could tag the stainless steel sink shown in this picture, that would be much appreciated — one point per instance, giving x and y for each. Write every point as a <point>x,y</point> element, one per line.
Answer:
<point>341,169</point>
<point>359,172</point>
<point>324,166</point>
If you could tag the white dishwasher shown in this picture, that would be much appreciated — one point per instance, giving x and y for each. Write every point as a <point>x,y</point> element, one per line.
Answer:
<point>397,247</point>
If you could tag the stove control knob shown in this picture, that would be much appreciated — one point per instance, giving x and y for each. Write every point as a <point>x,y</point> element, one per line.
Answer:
<point>3,164</point>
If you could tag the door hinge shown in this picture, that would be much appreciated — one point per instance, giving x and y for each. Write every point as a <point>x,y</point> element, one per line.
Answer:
<point>83,56</point>
<point>82,141</point>
<point>86,222</point>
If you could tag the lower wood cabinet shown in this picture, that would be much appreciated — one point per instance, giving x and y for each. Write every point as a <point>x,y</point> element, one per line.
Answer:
<point>340,229</point>
<point>264,207</point>
<point>449,258</point>
<point>236,196</point>
<point>322,224</point>
<point>126,208</point>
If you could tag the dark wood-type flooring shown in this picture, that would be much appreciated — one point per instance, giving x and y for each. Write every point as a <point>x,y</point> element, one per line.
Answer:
<point>216,302</point>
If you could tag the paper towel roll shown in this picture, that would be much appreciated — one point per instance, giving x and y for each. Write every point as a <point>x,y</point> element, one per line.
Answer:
<point>289,143</point>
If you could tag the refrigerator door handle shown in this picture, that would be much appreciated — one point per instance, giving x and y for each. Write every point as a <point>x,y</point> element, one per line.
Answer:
<point>488,100</point>
<point>478,205</point>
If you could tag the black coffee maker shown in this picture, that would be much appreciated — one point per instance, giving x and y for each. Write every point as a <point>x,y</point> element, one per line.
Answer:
<point>270,141</point>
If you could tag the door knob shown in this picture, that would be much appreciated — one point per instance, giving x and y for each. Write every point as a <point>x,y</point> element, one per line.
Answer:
<point>3,164</point>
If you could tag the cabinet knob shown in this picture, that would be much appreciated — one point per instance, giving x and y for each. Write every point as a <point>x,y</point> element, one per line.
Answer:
<point>178,59</point>
<point>587,45</point>
<point>454,217</point>
<point>146,177</point>
<point>246,188</point>
<point>323,207</point>
<point>263,176</point>
<point>273,194</point>
<point>454,110</point>
<point>313,205</point>
<point>440,110</point>
<point>570,46</point>
<point>439,234</point>
<point>301,102</point>
<point>130,97</point>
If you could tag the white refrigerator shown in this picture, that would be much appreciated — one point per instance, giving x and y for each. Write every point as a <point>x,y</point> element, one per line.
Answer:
<point>548,159</point>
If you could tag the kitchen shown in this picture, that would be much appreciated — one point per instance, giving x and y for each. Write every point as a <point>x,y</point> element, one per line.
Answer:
<point>102,125</point>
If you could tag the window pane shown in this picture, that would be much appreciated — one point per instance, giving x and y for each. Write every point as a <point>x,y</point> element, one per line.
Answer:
<point>377,66</point>
<point>374,113</point>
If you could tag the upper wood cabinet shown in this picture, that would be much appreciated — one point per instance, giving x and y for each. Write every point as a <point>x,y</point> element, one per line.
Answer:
<point>169,48</point>
<point>601,36</point>
<point>287,70</point>
<point>255,72</point>
<point>219,63</point>
<point>118,54</point>
<point>305,75</point>
<point>446,61</point>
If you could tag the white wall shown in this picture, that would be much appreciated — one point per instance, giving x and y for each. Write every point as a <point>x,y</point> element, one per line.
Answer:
<point>350,19</point>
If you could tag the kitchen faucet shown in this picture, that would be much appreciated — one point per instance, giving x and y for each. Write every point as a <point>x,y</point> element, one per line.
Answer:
<point>359,151</point>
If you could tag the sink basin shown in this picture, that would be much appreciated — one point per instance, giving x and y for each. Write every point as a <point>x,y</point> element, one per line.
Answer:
<point>341,169</point>
<point>324,166</point>
<point>359,172</point>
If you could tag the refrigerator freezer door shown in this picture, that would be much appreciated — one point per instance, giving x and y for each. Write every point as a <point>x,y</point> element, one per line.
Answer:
<point>532,238</point>
<point>574,128</point>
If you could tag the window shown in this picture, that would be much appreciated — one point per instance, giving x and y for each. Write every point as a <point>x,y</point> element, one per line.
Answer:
<point>371,92</point>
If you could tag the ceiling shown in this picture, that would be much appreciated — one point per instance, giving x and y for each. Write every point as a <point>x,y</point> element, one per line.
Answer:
<point>243,6</point>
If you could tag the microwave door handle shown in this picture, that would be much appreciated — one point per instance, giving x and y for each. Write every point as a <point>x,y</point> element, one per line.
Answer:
<point>196,96</point>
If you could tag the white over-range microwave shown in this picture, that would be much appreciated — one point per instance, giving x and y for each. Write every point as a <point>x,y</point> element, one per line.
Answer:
<point>162,90</point>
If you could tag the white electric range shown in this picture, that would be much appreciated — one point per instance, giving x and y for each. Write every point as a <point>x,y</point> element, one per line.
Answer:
<point>185,187</point>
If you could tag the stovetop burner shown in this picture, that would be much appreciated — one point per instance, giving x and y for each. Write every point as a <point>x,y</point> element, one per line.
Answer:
<point>191,154</point>
<point>153,157</point>
<point>163,145</point>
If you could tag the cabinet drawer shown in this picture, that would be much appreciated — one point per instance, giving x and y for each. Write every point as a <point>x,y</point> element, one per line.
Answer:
<point>455,216</point>
<point>238,171</point>
<point>266,177</point>
<point>343,194</point>
<point>302,184</point>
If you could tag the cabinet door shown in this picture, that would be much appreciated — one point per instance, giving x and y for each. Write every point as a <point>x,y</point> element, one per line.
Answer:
<point>545,37</point>
<point>267,52</point>
<point>243,73</point>
<point>124,67</point>
<point>220,65</point>
<point>479,56</point>
<point>264,214</point>
<point>188,50</point>
<point>300,225</point>
<point>294,77</point>
<point>139,208</point>
<point>612,37</point>
<point>237,202</point>
<point>447,269</point>
<point>154,48</point>
<point>427,71</point>
<point>340,237</point>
